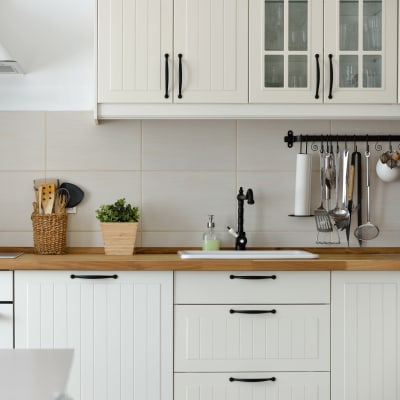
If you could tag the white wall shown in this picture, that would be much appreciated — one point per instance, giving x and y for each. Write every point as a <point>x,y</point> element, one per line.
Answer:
<point>178,172</point>
<point>53,40</point>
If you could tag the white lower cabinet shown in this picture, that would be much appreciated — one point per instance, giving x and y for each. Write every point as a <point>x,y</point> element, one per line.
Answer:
<point>118,323</point>
<point>253,348</point>
<point>6,310</point>
<point>254,386</point>
<point>252,338</point>
<point>366,335</point>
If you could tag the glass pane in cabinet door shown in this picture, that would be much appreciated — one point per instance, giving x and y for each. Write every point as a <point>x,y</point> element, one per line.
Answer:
<point>274,25</point>
<point>372,25</point>
<point>273,70</point>
<point>372,71</point>
<point>348,35</point>
<point>297,71</point>
<point>298,24</point>
<point>348,70</point>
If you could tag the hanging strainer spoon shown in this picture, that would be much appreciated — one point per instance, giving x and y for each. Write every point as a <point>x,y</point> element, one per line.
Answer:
<point>367,231</point>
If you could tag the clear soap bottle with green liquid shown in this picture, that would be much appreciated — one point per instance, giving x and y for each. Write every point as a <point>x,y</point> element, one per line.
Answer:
<point>210,239</point>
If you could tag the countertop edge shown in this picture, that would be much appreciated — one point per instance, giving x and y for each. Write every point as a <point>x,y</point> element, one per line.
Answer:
<point>172,262</point>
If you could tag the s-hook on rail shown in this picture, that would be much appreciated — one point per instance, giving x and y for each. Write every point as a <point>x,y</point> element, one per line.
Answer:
<point>291,138</point>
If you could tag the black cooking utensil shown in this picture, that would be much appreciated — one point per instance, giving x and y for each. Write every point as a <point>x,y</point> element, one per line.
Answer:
<point>75,194</point>
<point>350,193</point>
<point>359,191</point>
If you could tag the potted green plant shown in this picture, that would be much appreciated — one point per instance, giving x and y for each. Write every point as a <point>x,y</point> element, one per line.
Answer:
<point>119,222</point>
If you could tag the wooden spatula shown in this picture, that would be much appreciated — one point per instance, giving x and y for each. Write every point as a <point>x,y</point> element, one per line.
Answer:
<point>47,194</point>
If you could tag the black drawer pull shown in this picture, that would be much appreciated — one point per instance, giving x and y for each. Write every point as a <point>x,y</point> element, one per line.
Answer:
<point>166,95</point>
<point>318,76</point>
<point>330,76</point>
<point>273,311</point>
<point>180,76</point>
<point>273,379</point>
<point>254,277</point>
<point>73,276</point>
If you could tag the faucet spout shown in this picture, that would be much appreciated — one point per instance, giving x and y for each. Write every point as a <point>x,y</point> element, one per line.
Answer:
<point>241,239</point>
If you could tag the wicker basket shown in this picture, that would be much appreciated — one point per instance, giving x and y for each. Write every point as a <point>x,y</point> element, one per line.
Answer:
<point>49,232</point>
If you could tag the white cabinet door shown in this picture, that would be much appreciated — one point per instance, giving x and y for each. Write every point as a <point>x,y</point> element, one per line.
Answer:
<point>360,51</point>
<point>218,338</point>
<point>355,42</point>
<point>365,335</point>
<point>212,38</point>
<point>286,51</point>
<point>120,329</point>
<point>134,48</point>
<point>139,43</point>
<point>253,386</point>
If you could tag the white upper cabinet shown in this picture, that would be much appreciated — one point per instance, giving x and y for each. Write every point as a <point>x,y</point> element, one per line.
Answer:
<point>134,47</point>
<point>210,47</point>
<point>314,51</point>
<point>286,45</point>
<point>163,51</point>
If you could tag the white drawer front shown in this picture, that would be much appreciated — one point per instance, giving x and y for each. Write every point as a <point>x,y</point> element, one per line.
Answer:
<point>213,339</point>
<point>286,386</point>
<point>238,287</point>
<point>6,286</point>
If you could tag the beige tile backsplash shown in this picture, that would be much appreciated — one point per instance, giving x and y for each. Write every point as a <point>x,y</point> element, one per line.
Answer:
<point>178,172</point>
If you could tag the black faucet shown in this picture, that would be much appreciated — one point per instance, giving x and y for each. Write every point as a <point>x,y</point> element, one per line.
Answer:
<point>241,239</point>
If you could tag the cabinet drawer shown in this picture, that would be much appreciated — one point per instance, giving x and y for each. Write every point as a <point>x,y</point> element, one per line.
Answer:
<point>252,287</point>
<point>286,386</point>
<point>6,286</point>
<point>224,338</point>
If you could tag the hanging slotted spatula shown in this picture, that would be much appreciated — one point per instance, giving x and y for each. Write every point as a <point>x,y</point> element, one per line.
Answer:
<point>47,194</point>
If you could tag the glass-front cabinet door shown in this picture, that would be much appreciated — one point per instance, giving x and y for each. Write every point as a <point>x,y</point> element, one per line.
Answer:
<point>360,51</point>
<point>286,51</point>
<point>314,51</point>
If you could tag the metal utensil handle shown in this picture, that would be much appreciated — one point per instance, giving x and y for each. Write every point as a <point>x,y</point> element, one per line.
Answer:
<point>351,178</point>
<point>344,183</point>
<point>367,154</point>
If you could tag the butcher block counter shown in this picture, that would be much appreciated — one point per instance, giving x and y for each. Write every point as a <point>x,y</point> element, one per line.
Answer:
<point>167,259</point>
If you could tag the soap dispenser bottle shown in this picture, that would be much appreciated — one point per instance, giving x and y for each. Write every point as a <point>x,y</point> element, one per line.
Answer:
<point>210,240</point>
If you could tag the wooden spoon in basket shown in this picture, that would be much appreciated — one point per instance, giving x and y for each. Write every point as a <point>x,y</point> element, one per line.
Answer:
<point>47,195</point>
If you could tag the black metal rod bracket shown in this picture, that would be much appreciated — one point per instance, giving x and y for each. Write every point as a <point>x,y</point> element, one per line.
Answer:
<point>291,138</point>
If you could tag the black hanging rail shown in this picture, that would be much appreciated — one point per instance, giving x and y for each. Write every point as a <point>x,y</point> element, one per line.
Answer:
<point>291,138</point>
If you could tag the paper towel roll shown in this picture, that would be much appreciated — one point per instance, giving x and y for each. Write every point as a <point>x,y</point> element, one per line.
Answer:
<point>302,199</point>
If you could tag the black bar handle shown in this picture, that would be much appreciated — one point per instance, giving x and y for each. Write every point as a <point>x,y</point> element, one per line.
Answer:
<point>73,276</point>
<point>166,95</point>
<point>272,379</point>
<point>330,76</point>
<point>318,76</point>
<point>273,311</point>
<point>252,277</point>
<point>180,76</point>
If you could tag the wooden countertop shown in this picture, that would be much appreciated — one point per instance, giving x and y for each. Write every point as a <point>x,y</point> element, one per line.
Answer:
<point>339,259</point>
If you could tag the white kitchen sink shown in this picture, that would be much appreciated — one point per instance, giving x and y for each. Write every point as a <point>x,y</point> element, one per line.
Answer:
<point>246,254</point>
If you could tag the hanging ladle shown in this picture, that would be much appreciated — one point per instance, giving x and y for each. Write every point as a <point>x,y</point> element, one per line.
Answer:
<point>367,231</point>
